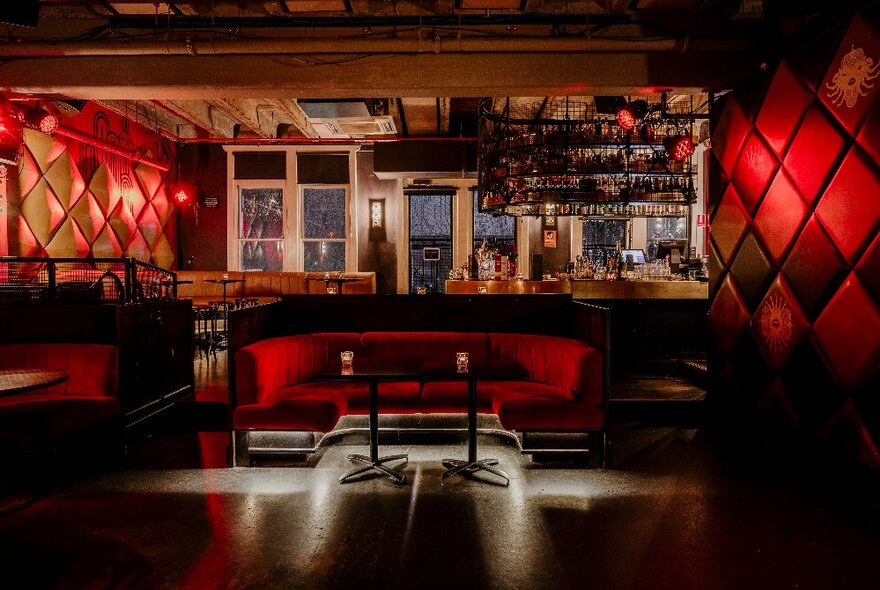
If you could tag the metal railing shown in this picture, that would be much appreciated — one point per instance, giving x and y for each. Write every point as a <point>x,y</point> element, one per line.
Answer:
<point>94,280</point>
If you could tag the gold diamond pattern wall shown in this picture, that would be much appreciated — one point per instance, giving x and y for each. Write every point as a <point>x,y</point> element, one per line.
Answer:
<point>75,200</point>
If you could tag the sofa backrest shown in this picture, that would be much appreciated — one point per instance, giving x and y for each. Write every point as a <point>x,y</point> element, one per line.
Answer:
<point>431,348</point>
<point>562,362</point>
<point>92,368</point>
<point>267,284</point>
<point>266,366</point>
<point>202,289</point>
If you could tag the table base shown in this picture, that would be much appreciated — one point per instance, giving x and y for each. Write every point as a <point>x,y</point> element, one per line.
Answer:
<point>468,468</point>
<point>376,465</point>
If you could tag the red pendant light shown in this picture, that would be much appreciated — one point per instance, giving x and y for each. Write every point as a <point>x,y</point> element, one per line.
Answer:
<point>680,147</point>
<point>628,117</point>
<point>39,119</point>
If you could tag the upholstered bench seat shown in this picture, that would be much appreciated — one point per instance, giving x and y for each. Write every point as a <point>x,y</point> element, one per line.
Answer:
<point>561,388</point>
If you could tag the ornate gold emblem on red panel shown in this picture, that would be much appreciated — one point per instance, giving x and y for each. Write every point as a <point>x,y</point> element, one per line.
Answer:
<point>776,323</point>
<point>853,79</point>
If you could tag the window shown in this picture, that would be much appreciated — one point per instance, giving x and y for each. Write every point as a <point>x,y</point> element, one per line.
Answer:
<point>430,226</point>
<point>600,238</point>
<point>261,228</point>
<point>499,230</point>
<point>324,228</point>
<point>665,228</point>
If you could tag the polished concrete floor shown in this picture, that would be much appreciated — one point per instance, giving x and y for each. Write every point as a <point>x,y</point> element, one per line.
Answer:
<point>677,511</point>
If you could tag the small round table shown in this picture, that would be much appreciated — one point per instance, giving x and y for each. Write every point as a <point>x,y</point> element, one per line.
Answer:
<point>338,280</point>
<point>224,282</point>
<point>14,381</point>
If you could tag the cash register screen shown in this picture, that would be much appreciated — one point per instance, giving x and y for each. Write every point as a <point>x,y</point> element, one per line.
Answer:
<point>638,256</point>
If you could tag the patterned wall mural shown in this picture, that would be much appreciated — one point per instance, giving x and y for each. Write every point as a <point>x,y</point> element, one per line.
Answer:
<point>75,199</point>
<point>795,238</point>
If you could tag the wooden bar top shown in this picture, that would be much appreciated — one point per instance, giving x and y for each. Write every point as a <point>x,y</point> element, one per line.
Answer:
<point>587,289</point>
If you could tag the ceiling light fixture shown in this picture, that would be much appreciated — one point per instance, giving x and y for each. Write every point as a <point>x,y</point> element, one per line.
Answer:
<point>39,119</point>
<point>628,117</point>
<point>680,147</point>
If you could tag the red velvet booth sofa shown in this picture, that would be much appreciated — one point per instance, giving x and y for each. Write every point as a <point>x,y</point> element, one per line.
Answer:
<point>87,398</point>
<point>562,390</point>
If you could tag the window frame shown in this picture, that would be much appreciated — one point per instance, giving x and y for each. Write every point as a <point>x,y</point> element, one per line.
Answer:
<point>234,254</point>
<point>347,240</point>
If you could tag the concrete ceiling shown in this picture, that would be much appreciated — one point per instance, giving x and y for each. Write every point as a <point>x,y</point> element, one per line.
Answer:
<point>244,68</point>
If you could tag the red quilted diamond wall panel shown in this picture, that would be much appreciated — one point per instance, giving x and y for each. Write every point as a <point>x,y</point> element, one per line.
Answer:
<point>779,325</point>
<point>728,315</point>
<point>849,332</point>
<point>780,216</point>
<point>814,268</point>
<point>76,200</point>
<point>806,268</point>
<point>812,153</point>
<point>729,224</point>
<point>868,268</point>
<point>753,171</point>
<point>850,208</point>
<point>869,136</point>
<point>849,87</point>
<point>786,102</point>
<point>731,132</point>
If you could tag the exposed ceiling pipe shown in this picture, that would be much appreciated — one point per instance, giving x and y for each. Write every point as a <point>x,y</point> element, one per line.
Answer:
<point>372,46</point>
<point>113,149</point>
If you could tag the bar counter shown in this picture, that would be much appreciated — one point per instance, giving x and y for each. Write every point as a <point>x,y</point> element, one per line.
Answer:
<point>587,289</point>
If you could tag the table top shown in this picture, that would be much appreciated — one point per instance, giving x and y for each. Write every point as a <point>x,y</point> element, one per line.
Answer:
<point>395,369</point>
<point>223,281</point>
<point>23,379</point>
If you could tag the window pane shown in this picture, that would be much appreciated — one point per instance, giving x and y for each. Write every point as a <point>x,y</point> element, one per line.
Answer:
<point>430,216</point>
<point>430,226</point>
<point>600,238</point>
<point>323,256</point>
<point>498,229</point>
<point>261,213</point>
<point>262,255</point>
<point>323,213</point>
<point>665,228</point>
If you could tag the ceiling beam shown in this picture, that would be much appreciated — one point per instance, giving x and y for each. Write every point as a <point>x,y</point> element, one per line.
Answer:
<point>251,120</point>
<point>202,115</point>
<point>149,116</point>
<point>296,116</point>
<point>425,75</point>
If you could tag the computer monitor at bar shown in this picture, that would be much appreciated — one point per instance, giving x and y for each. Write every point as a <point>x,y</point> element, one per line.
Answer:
<point>675,249</point>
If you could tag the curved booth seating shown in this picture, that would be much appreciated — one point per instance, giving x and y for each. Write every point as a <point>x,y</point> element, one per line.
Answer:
<point>559,388</point>
<point>88,396</point>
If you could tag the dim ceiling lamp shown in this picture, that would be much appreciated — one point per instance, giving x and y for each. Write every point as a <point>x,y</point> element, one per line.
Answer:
<point>628,117</point>
<point>680,147</point>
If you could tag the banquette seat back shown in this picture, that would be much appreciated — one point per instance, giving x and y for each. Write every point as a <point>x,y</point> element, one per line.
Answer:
<point>265,285</point>
<point>91,368</point>
<point>88,397</point>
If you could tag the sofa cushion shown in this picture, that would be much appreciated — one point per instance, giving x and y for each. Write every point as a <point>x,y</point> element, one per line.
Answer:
<point>315,414</point>
<point>500,392</point>
<point>43,416</point>
<point>549,414</point>
<point>562,362</point>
